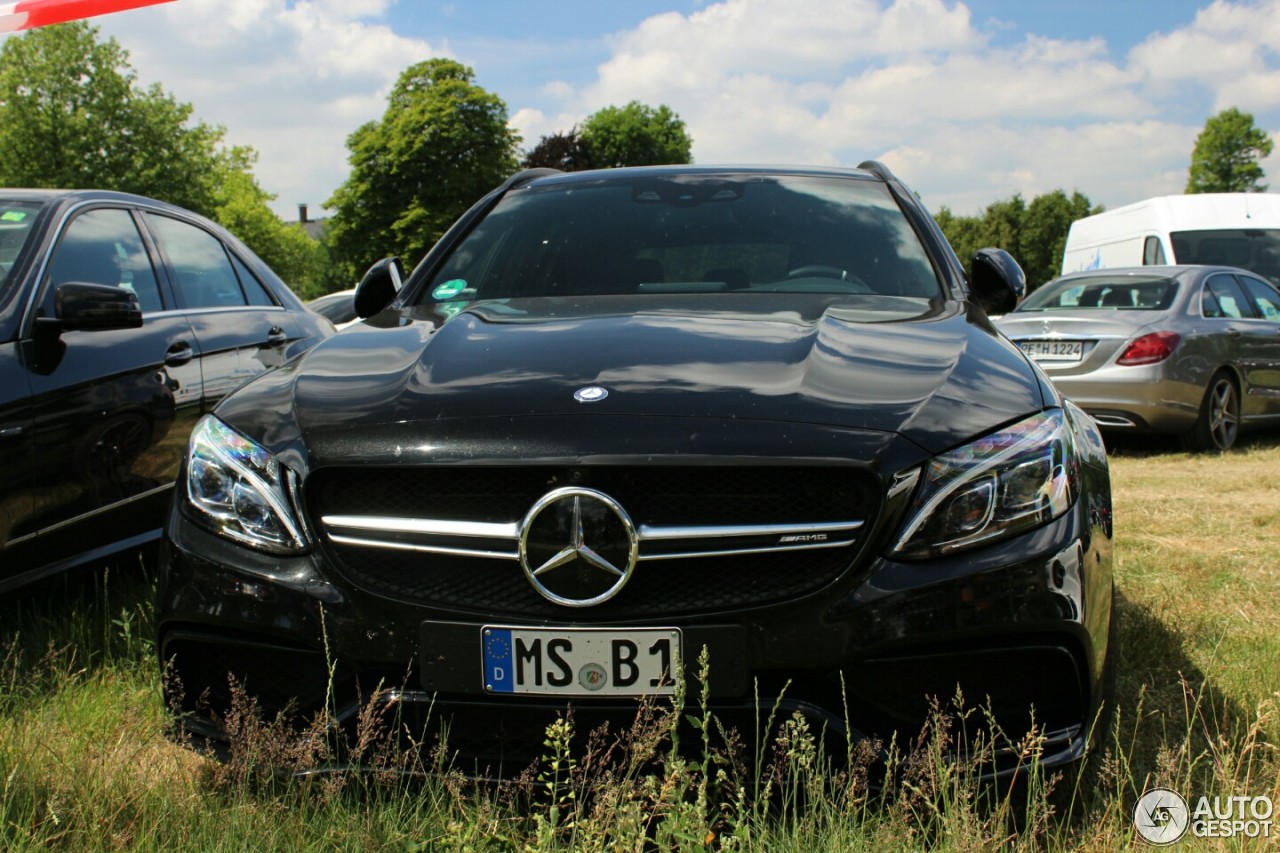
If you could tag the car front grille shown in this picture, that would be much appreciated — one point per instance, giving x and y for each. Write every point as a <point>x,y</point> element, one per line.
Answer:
<point>712,537</point>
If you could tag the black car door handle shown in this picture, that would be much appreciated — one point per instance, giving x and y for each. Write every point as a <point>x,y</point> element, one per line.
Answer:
<point>277,336</point>
<point>179,354</point>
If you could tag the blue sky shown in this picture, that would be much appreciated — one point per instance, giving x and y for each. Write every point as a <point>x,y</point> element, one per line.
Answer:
<point>969,102</point>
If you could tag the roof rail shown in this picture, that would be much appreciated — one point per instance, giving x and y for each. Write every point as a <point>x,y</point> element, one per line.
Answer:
<point>878,169</point>
<point>525,176</point>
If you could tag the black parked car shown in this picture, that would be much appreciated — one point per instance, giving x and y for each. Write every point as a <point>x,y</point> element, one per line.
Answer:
<point>615,417</point>
<point>122,321</point>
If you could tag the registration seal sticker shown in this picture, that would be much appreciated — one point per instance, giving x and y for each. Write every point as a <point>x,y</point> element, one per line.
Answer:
<point>449,289</point>
<point>13,216</point>
<point>592,676</point>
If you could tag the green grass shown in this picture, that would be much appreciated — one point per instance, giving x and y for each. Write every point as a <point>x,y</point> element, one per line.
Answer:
<point>86,764</point>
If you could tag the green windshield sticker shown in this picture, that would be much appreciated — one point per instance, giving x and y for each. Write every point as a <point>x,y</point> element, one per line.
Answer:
<point>449,289</point>
<point>13,216</point>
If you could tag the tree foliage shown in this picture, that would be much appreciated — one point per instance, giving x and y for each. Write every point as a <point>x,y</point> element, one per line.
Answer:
<point>241,206</point>
<point>73,116</point>
<point>568,152</point>
<point>1034,233</point>
<point>637,135</point>
<point>1226,154</point>
<point>442,143</point>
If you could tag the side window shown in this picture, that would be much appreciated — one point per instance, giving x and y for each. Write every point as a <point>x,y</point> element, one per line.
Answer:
<point>103,246</point>
<point>254,291</point>
<point>1224,298</point>
<point>202,271</point>
<point>1152,252</point>
<point>1265,298</point>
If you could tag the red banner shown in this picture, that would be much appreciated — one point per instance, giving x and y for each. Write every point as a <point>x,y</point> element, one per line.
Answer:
<point>26,14</point>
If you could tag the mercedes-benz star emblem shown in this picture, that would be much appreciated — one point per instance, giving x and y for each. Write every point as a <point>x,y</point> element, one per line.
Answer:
<point>578,547</point>
<point>590,394</point>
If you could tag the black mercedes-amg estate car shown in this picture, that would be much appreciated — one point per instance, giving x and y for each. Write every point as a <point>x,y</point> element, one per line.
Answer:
<point>614,418</point>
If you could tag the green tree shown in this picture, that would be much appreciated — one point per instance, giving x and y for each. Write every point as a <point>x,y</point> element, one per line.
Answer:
<point>442,143</point>
<point>1043,234</point>
<point>1225,158</point>
<point>637,135</point>
<point>72,115</point>
<point>1034,233</point>
<point>241,206</point>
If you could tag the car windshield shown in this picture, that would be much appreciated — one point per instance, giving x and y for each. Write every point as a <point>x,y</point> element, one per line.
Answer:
<point>658,235</point>
<point>1103,294</point>
<point>16,219</point>
<point>1254,249</point>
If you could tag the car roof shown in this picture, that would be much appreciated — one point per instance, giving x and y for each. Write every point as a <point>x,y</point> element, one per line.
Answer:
<point>671,171</point>
<point>57,195</point>
<point>1154,271</point>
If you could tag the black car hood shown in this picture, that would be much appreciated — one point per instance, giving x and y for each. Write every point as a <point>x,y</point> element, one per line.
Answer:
<point>934,372</point>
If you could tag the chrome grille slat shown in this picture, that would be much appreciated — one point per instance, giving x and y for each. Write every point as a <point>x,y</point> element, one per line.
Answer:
<point>805,534</point>
<point>425,549</point>
<point>730,531</point>
<point>431,526</point>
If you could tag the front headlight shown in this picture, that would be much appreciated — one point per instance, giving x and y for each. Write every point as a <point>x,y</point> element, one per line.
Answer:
<point>998,486</point>
<point>238,489</point>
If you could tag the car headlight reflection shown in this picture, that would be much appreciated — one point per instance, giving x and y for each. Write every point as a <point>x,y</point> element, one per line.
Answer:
<point>238,489</point>
<point>998,486</point>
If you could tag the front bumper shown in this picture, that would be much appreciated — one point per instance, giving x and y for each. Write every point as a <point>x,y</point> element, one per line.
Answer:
<point>1019,628</point>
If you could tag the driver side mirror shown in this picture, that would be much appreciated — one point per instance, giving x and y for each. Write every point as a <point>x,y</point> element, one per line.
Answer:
<point>81,305</point>
<point>378,287</point>
<point>997,282</point>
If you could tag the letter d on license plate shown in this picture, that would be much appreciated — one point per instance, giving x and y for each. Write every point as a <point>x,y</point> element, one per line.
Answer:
<point>580,661</point>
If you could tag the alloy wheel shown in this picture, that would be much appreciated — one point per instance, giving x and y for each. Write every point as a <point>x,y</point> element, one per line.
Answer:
<point>1224,414</point>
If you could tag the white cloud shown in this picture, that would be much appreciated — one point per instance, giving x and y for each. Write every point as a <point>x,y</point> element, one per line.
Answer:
<point>968,113</point>
<point>916,84</point>
<point>290,79</point>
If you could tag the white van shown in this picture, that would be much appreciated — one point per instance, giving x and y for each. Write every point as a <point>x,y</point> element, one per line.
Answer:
<point>1239,229</point>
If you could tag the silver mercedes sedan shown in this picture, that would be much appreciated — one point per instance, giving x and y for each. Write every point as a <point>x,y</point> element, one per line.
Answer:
<point>1192,351</point>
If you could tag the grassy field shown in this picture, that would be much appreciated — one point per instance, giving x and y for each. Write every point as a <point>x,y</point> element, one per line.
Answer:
<point>85,763</point>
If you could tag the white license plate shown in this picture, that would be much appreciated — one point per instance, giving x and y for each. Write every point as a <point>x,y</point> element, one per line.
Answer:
<point>580,661</point>
<point>1053,350</point>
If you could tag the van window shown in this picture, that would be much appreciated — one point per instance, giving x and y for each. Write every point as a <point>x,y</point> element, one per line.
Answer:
<point>1152,252</point>
<point>1254,249</point>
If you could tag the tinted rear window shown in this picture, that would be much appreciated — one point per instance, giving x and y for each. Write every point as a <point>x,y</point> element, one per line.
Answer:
<point>1103,294</point>
<point>690,234</point>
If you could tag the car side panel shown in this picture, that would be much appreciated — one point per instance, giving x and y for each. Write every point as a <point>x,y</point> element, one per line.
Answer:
<point>1260,351</point>
<point>109,423</point>
<point>15,460</point>
<point>238,344</point>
